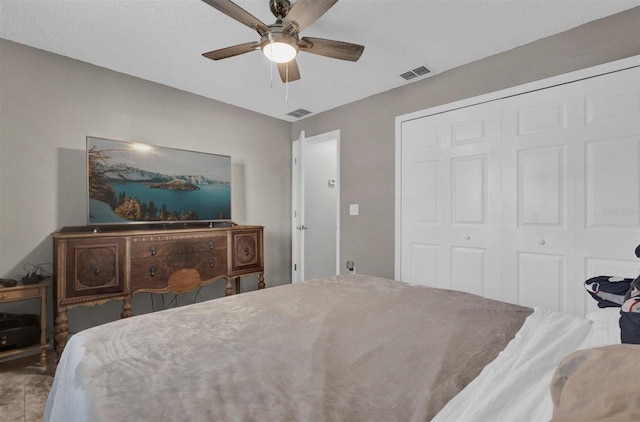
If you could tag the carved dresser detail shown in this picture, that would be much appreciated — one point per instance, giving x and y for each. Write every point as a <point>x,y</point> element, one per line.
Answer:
<point>95,265</point>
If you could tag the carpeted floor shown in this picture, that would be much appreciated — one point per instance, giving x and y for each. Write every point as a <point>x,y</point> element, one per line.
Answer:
<point>24,387</point>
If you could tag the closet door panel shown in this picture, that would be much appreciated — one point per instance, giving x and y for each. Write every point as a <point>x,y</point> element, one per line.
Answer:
<point>541,196</point>
<point>539,130</point>
<point>475,212</point>
<point>469,190</point>
<point>423,204</point>
<point>611,184</point>
<point>542,278</point>
<point>423,215</point>
<point>608,221</point>
<point>423,264</point>
<point>423,237</point>
<point>468,269</point>
<point>450,206</point>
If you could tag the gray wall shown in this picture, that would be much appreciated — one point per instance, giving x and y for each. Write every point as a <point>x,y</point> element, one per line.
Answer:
<point>50,103</point>
<point>367,137</point>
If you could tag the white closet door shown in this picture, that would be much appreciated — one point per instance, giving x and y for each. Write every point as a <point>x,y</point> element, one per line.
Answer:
<point>450,206</point>
<point>524,198</point>
<point>540,134</point>
<point>571,189</point>
<point>424,152</point>
<point>608,224</point>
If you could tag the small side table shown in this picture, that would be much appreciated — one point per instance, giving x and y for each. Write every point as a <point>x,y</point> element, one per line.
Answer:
<point>23,292</point>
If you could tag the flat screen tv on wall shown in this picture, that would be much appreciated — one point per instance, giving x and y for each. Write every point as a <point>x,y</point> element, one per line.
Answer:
<point>130,182</point>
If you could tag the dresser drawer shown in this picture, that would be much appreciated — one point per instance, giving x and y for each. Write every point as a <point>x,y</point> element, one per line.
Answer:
<point>153,273</point>
<point>94,266</point>
<point>7,295</point>
<point>161,246</point>
<point>246,251</point>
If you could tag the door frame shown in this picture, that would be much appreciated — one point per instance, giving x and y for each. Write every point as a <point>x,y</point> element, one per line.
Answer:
<point>297,196</point>
<point>574,76</point>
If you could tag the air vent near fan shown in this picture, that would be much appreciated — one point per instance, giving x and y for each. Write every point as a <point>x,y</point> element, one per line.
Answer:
<point>418,71</point>
<point>299,113</point>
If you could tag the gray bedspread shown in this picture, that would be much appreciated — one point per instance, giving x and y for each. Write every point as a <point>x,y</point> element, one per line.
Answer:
<point>350,348</point>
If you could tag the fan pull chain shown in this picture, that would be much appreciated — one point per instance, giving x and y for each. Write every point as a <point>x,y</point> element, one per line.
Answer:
<point>271,77</point>
<point>272,64</point>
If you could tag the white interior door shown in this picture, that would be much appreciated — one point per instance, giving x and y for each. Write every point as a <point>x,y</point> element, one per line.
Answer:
<point>316,205</point>
<point>296,211</point>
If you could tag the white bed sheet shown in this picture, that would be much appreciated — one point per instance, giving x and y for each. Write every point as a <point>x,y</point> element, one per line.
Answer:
<point>606,326</point>
<point>516,385</point>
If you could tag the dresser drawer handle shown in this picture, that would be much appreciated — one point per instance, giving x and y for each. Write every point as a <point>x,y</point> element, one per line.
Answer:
<point>211,244</point>
<point>152,271</point>
<point>211,263</point>
<point>152,250</point>
<point>96,269</point>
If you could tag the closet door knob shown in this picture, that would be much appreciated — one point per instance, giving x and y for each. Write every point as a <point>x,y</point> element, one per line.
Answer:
<point>467,237</point>
<point>541,242</point>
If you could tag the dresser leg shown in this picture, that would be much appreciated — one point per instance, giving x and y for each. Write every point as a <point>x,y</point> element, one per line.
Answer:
<point>126,308</point>
<point>43,356</point>
<point>229,291</point>
<point>261,284</point>
<point>61,331</point>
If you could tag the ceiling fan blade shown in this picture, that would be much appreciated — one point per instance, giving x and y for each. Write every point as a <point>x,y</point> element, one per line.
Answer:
<point>306,12</point>
<point>236,12</point>
<point>289,71</point>
<point>329,48</point>
<point>235,50</point>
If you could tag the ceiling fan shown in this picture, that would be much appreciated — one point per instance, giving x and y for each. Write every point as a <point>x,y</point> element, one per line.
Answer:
<point>280,41</point>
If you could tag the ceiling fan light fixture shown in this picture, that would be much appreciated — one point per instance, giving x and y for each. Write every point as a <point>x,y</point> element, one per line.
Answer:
<point>279,47</point>
<point>279,52</point>
<point>280,42</point>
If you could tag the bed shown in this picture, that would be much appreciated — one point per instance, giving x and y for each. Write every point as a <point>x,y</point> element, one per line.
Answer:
<point>347,348</point>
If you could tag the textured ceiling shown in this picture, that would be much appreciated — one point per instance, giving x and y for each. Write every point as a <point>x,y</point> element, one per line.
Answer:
<point>162,41</point>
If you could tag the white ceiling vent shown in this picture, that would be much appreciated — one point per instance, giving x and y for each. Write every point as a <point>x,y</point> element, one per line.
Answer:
<point>299,113</point>
<point>418,71</point>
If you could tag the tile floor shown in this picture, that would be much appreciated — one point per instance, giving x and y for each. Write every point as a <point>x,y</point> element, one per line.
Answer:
<point>24,387</point>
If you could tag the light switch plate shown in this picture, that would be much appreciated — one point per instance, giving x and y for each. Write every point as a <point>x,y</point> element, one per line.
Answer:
<point>354,209</point>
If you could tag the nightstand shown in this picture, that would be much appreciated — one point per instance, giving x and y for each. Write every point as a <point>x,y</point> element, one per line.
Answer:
<point>24,292</point>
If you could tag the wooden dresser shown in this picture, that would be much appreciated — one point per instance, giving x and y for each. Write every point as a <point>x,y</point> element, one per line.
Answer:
<point>94,265</point>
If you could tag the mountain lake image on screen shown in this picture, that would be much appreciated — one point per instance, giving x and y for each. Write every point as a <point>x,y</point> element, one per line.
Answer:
<point>129,182</point>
